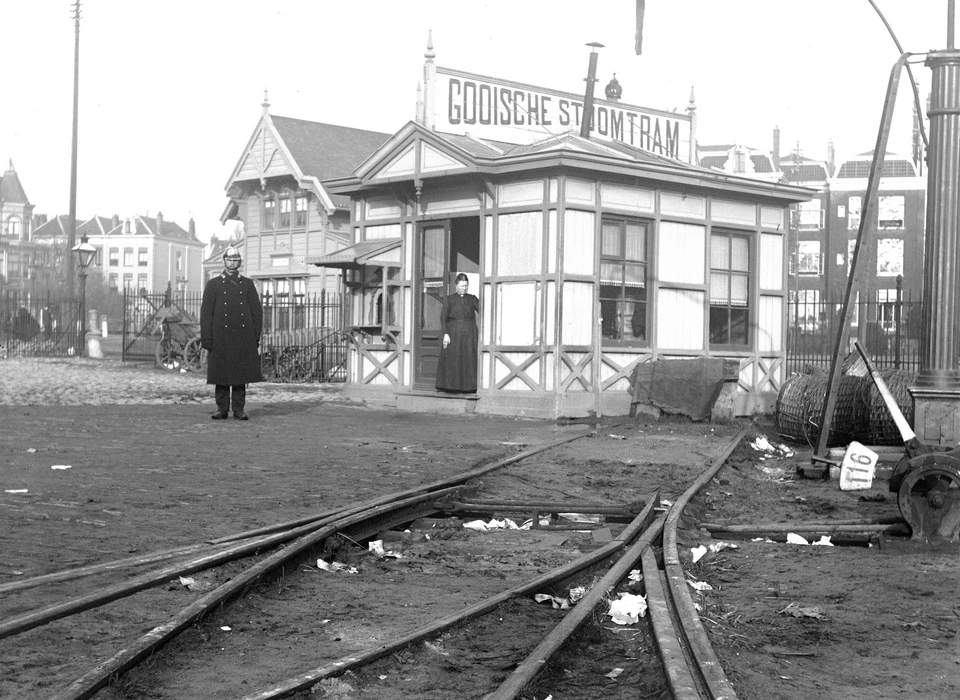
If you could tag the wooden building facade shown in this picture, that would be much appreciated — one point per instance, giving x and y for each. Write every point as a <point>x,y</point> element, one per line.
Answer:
<point>588,256</point>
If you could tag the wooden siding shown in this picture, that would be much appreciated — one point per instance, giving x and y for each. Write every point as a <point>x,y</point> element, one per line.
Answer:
<point>680,319</point>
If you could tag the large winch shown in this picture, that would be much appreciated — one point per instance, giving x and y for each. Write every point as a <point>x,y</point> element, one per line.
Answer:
<point>927,478</point>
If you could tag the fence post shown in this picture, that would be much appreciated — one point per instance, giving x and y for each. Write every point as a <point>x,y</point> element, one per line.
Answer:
<point>897,315</point>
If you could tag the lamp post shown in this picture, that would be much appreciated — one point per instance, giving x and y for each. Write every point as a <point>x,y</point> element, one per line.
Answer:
<point>85,254</point>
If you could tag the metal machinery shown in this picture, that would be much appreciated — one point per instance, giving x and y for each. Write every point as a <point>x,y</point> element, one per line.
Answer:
<point>927,478</point>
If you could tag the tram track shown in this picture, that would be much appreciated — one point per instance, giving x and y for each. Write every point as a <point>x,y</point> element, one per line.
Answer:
<point>360,523</point>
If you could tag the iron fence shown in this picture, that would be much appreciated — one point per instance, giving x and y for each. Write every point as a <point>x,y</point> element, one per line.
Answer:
<point>39,325</point>
<point>889,330</point>
<point>302,340</point>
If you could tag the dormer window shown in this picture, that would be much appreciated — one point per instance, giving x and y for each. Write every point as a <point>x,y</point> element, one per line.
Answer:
<point>127,227</point>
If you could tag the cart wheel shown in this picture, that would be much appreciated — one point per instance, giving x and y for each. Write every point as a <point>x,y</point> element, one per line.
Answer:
<point>194,356</point>
<point>168,355</point>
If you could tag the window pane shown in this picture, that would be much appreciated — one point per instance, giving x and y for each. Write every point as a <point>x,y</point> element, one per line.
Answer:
<point>738,290</point>
<point>719,288</point>
<point>740,257</point>
<point>720,252</point>
<point>433,239</point>
<point>608,317</point>
<point>611,239</point>
<point>634,275</point>
<point>738,326</point>
<point>718,324</point>
<point>611,272</point>
<point>636,242</point>
<point>637,316</point>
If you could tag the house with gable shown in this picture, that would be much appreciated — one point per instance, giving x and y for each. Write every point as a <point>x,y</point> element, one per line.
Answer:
<point>16,215</point>
<point>138,252</point>
<point>288,215</point>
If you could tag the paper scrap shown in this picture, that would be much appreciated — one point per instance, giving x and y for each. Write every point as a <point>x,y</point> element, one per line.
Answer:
<point>61,466</point>
<point>793,538</point>
<point>15,491</point>
<point>628,609</point>
<point>335,567</point>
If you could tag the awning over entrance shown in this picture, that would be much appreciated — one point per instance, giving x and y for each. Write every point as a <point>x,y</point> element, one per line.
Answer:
<point>380,252</point>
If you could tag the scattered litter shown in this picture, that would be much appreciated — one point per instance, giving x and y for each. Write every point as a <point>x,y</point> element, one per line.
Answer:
<point>15,490</point>
<point>763,539</point>
<point>761,444</point>
<point>617,437</point>
<point>796,610</point>
<point>824,541</point>
<point>793,538</point>
<point>225,628</point>
<point>628,609</point>
<point>556,602</point>
<point>635,576</point>
<point>700,585</point>
<point>193,584</point>
<point>61,466</point>
<point>614,673</point>
<point>376,547</point>
<point>698,552</point>
<point>336,566</point>
<point>32,450</point>
<point>560,603</point>
<point>493,524</point>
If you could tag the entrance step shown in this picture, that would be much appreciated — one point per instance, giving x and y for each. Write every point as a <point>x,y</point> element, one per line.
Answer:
<point>436,402</point>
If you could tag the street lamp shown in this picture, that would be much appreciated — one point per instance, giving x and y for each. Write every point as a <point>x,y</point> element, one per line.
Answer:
<point>85,254</point>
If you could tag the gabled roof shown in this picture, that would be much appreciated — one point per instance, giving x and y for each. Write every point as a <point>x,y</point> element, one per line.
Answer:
<point>11,191</point>
<point>52,228</point>
<point>416,154</point>
<point>325,151</point>
<point>307,151</point>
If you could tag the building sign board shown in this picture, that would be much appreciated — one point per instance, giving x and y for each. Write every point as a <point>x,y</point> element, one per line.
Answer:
<point>502,110</point>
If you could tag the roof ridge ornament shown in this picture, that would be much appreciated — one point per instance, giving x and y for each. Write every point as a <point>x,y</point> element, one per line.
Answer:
<point>266,103</point>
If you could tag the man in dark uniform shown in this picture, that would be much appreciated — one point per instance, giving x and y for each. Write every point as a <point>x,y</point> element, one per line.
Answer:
<point>231,320</point>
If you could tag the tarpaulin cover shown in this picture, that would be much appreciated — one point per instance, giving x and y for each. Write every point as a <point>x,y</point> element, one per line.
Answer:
<point>690,387</point>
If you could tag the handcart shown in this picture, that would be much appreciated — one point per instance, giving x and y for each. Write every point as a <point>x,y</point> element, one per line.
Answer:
<point>179,345</point>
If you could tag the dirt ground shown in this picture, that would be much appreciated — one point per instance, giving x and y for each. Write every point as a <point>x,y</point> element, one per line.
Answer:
<point>787,621</point>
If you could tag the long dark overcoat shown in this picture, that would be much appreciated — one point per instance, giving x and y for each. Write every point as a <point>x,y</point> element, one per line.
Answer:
<point>231,320</point>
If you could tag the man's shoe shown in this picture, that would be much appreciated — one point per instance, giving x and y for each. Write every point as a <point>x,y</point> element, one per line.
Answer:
<point>219,416</point>
<point>239,415</point>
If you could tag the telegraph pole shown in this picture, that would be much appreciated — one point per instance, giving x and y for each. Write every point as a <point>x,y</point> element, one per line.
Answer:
<point>72,225</point>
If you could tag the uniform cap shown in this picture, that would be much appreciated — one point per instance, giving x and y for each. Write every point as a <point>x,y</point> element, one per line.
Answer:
<point>231,252</point>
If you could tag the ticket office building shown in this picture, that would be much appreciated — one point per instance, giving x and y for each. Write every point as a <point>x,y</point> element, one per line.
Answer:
<point>587,257</point>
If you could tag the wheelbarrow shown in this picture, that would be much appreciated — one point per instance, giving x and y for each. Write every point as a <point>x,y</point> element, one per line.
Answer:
<point>926,479</point>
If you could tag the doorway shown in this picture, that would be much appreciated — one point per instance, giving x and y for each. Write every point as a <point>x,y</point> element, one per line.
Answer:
<point>446,248</point>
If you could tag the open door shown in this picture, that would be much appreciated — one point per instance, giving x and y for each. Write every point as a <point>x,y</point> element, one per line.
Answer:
<point>446,248</point>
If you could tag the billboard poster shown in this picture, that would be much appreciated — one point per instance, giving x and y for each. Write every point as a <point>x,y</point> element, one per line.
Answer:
<point>500,110</point>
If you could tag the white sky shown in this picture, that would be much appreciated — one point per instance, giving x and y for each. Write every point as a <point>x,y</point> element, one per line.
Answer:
<point>170,91</point>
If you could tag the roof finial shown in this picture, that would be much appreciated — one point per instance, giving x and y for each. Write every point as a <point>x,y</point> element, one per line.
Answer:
<point>266,102</point>
<point>11,168</point>
<point>692,105</point>
<point>429,54</point>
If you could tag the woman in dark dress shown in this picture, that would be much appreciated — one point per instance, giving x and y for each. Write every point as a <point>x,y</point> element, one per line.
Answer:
<point>457,368</point>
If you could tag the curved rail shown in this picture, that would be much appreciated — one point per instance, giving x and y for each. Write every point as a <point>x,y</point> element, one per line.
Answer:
<point>398,505</point>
